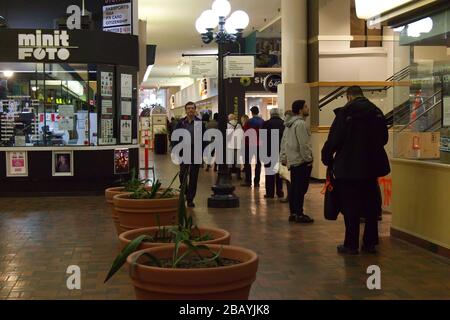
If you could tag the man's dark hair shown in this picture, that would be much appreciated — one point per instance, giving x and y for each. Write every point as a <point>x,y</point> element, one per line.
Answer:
<point>355,91</point>
<point>205,117</point>
<point>190,103</point>
<point>216,116</point>
<point>254,110</point>
<point>298,105</point>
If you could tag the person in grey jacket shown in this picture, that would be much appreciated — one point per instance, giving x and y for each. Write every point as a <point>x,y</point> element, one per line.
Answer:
<point>296,153</point>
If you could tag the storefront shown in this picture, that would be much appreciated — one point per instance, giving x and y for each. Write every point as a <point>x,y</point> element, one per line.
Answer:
<point>421,164</point>
<point>68,110</point>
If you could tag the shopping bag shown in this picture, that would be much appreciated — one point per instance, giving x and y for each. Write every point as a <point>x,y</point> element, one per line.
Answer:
<point>331,200</point>
<point>284,173</point>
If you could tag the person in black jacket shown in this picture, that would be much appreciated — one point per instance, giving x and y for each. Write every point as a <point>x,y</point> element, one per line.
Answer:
<point>273,181</point>
<point>355,153</point>
<point>188,123</point>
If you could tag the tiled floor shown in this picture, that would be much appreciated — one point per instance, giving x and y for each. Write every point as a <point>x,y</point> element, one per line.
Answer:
<point>41,237</point>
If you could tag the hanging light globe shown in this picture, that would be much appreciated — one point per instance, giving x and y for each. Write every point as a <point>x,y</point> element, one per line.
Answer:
<point>221,8</point>
<point>240,19</point>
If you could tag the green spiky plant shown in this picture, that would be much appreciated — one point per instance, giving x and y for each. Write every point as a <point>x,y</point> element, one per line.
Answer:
<point>134,183</point>
<point>180,234</point>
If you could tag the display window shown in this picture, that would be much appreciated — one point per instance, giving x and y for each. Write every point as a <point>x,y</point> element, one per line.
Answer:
<point>422,101</point>
<point>48,104</point>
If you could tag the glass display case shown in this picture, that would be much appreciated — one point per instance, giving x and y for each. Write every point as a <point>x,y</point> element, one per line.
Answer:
<point>422,101</point>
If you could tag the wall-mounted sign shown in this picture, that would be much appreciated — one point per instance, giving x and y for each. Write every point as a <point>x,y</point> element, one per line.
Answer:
<point>239,66</point>
<point>16,164</point>
<point>117,17</point>
<point>271,82</point>
<point>44,46</point>
<point>203,67</point>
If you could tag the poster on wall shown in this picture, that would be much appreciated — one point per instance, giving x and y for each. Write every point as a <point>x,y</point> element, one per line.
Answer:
<point>62,164</point>
<point>107,84</point>
<point>107,107</point>
<point>126,86</point>
<point>65,124</point>
<point>17,164</point>
<point>117,16</point>
<point>125,131</point>
<point>126,108</point>
<point>107,132</point>
<point>66,111</point>
<point>121,161</point>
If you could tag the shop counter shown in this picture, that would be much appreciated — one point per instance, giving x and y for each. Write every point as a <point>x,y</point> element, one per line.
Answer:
<point>66,170</point>
<point>420,203</point>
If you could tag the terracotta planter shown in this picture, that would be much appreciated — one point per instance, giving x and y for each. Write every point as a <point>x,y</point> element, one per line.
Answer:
<point>109,195</point>
<point>142,213</point>
<point>222,283</point>
<point>219,236</point>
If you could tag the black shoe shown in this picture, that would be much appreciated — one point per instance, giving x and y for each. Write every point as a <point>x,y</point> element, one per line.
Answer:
<point>292,218</point>
<point>191,204</point>
<point>344,250</point>
<point>268,197</point>
<point>370,250</point>
<point>304,219</point>
<point>280,195</point>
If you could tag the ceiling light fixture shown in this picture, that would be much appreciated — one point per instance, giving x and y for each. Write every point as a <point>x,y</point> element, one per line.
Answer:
<point>366,9</point>
<point>147,72</point>
<point>8,73</point>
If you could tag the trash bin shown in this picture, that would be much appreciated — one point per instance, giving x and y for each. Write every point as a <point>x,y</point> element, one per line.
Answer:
<point>161,143</point>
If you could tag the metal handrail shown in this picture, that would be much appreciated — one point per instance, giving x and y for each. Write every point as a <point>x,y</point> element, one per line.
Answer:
<point>420,116</point>
<point>400,75</point>
<point>422,104</point>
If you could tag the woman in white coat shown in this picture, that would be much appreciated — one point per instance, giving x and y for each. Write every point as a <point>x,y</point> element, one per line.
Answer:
<point>235,137</point>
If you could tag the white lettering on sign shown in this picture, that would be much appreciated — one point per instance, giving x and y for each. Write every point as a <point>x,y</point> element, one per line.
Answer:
<point>41,46</point>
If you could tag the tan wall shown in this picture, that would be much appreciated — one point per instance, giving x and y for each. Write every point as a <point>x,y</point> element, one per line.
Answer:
<point>420,200</point>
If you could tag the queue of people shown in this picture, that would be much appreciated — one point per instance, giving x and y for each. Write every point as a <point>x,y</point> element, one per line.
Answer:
<point>354,153</point>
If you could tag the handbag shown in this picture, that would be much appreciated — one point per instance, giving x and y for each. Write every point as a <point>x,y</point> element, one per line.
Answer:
<point>331,201</point>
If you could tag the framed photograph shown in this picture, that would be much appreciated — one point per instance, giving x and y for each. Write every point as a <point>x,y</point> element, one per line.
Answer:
<point>17,164</point>
<point>121,161</point>
<point>62,163</point>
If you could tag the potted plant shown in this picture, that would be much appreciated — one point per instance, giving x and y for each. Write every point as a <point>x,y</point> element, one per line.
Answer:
<point>188,269</point>
<point>147,206</point>
<point>129,186</point>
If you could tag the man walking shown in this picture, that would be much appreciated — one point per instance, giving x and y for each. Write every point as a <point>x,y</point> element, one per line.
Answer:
<point>255,123</point>
<point>273,181</point>
<point>190,169</point>
<point>296,153</point>
<point>355,153</point>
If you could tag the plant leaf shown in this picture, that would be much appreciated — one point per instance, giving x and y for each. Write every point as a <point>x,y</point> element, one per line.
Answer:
<point>169,188</point>
<point>122,257</point>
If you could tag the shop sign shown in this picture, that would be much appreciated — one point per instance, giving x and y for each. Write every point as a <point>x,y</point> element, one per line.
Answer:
<point>271,82</point>
<point>44,46</point>
<point>17,164</point>
<point>117,16</point>
<point>239,66</point>
<point>203,67</point>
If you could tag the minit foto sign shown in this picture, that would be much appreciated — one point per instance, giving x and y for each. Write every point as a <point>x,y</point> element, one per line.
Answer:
<point>44,46</point>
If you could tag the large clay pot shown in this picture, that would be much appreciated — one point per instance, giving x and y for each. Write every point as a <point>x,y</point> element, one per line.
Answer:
<point>219,236</point>
<point>109,195</point>
<point>142,213</point>
<point>222,283</point>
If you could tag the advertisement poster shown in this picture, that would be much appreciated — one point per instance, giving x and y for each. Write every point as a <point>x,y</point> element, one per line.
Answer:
<point>126,86</point>
<point>66,124</point>
<point>107,133</point>
<point>107,107</point>
<point>107,84</point>
<point>121,161</point>
<point>126,108</point>
<point>117,17</point>
<point>125,131</point>
<point>62,163</point>
<point>66,111</point>
<point>17,164</point>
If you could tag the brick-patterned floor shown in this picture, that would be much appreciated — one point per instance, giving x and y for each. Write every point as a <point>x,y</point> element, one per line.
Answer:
<point>41,237</point>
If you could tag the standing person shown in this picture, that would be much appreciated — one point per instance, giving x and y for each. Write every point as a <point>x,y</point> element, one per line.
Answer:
<point>213,124</point>
<point>235,135</point>
<point>255,123</point>
<point>296,153</point>
<point>355,153</point>
<point>287,116</point>
<point>275,123</point>
<point>188,123</point>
